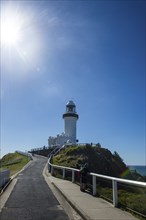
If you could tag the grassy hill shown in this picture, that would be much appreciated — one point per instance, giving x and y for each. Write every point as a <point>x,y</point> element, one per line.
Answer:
<point>13,161</point>
<point>100,160</point>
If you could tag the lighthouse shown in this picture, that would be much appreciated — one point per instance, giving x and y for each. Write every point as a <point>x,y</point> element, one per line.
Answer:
<point>70,119</point>
<point>69,135</point>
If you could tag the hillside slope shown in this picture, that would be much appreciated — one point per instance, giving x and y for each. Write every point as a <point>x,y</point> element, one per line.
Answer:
<point>14,162</point>
<point>100,160</point>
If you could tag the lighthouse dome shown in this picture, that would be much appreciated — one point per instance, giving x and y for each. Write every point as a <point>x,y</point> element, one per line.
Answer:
<point>70,103</point>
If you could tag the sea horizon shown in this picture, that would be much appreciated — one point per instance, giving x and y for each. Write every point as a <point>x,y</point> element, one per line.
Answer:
<point>141,169</point>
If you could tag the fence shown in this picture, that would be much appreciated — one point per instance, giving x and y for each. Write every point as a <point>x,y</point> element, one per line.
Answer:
<point>4,177</point>
<point>40,148</point>
<point>48,147</point>
<point>24,154</point>
<point>94,177</point>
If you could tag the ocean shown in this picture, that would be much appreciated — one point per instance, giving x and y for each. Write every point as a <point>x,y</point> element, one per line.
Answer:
<point>139,169</point>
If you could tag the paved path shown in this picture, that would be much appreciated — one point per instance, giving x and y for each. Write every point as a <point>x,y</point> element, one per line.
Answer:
<point>89,207</point>
<point>31,198</point>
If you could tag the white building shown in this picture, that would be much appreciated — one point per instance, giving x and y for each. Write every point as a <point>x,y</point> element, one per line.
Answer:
<point>69,135</point>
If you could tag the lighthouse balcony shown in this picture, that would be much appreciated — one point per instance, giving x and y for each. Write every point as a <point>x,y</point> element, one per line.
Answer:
<point>70,114</point>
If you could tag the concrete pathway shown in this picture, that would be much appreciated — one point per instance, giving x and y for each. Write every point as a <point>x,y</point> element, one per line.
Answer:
<point>89,207</point>
<point>31,198</point>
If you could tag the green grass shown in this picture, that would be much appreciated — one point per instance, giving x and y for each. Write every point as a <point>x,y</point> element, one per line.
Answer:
<point>127,199</point>
<point>13,161</point>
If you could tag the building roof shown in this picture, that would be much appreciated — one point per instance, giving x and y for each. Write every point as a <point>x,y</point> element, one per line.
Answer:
<point>70,103</point>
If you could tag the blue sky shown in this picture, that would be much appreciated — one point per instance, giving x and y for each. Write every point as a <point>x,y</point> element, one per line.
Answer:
<point>90,51</point>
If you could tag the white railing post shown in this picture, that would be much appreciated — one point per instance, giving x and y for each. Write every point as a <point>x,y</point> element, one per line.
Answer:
<point>63,173</point>
<point>115,193</point>
<point>94,185</point>
<point>51,170</point>
<point>73,176</point>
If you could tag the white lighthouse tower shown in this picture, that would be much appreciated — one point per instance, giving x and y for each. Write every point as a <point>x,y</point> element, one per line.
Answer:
<point>70,118</point>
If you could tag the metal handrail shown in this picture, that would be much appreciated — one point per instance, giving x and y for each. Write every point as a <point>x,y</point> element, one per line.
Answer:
<point>131,182</point>
<point>94,175</point>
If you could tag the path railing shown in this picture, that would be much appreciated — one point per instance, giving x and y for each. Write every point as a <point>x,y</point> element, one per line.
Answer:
<point>4,177</point>
<point>94,177</point>
<point>24,153</point>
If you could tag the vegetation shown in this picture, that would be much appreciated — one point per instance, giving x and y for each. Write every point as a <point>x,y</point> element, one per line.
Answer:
<point>133,199</point>
<point>13,161</point>
<point>100,160</point>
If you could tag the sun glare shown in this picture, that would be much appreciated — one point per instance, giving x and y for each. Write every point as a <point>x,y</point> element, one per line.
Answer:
<point>19,37</point>
<point>10,32</point>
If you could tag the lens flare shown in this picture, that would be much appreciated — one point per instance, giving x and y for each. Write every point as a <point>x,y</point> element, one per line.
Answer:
<point>10,32</point>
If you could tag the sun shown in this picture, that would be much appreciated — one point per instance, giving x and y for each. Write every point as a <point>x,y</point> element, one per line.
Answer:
<point>10,32</point>
<point>20,41</point>
<point>10,25</point>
